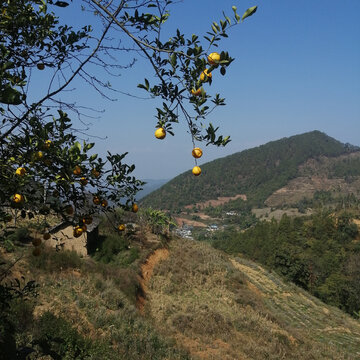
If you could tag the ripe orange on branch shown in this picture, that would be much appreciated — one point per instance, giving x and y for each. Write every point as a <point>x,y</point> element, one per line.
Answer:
<point>96,200</point>
<point>20,171</point>
<point>87,220</point>
<point>160,133</point>
<point>47,144</point>
<point>77,170</point>
<point>104,203</point>
<point>38,155</point>
<point>205,75</point>
<point>95,173</point>
<point>196,170</point>
<point>121,227</point>
<point>135,208</point>
<point>196,92</point>
<point>18,198</point>
<point>197,153</point>
<point>214,58</point>
<point>77,231</point>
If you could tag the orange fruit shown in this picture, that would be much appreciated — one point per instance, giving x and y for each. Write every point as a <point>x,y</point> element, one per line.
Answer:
<point>77,231</point>
<point>39,155</point>
<point>104,203</point>
<point>46,236</point>
<point>36,242</point>
<point>121,227</point>
<point>95,173</point>
<point>197,153</point>
<point>40,66</point>
<point>196,170</point>
<point>47,144</point>
<point>69,209</point>
<point>77,170</point>
<point>160,133</point>
<point>83,181</point>
<point>96,200</point>
<point>87,220</point>
<point>196,92</point>
<point>20,171</point>
<point>135,208</point>
<point>18,198</point>
<point>205,75</point>
<point>36,251</point>
<point>214,58</point>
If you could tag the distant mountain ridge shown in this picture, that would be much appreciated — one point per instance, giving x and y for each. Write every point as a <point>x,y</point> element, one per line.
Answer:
<point>256,172</point>
<point>150,186</point>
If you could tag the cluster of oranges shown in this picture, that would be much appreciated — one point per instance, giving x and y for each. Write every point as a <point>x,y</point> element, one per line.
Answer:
<point>18,199</point>
<point>78,230</point>
<point>206,76</point>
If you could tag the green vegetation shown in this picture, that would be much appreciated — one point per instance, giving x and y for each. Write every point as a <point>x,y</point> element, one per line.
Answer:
<point>256,172</point>
<point>319,254</point>
<point>115,249</point>
<point>82,310</point>
<point>326,199</point>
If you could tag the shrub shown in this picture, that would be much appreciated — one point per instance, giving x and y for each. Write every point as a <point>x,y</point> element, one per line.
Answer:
<point>52,261</point>
<point>57,338</point>
<point>115,249</point>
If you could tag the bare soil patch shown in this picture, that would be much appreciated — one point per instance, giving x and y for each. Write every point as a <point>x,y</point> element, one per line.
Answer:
<point>217,202</point>
<point>146,272</point>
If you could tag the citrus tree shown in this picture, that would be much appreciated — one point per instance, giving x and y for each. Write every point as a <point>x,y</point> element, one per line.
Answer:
<point>43,165</point>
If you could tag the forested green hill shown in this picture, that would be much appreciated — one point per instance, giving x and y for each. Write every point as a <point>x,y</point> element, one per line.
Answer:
<point>256,172</point>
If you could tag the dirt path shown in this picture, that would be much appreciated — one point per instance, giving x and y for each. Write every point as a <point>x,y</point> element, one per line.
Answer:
<point>146,272</point>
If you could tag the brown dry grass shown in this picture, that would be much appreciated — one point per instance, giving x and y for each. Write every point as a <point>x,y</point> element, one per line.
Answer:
<point>221,308</point>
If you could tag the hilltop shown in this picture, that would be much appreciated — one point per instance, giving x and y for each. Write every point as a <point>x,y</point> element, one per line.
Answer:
<point>260,174</point>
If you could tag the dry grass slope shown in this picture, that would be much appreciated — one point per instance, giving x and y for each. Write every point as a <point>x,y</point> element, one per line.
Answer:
<point>229,308</point>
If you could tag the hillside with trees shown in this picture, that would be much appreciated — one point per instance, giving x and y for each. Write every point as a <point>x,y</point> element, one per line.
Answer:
<point>256,172</point>
<point>320,253</point>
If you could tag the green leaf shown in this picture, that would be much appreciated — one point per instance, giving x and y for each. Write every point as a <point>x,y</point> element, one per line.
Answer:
<point>10,96</point>
<point>173,60</point>
<point>249,12</point>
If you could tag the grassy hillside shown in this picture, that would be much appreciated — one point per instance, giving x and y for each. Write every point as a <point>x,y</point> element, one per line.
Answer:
<point>256,172</point>
<point>79,308</point>
<point>196,303</point>
<point>221,307</point>
<point>318,253</point>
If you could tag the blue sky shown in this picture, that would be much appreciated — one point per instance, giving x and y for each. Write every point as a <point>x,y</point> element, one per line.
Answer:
<point>297,69</point>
